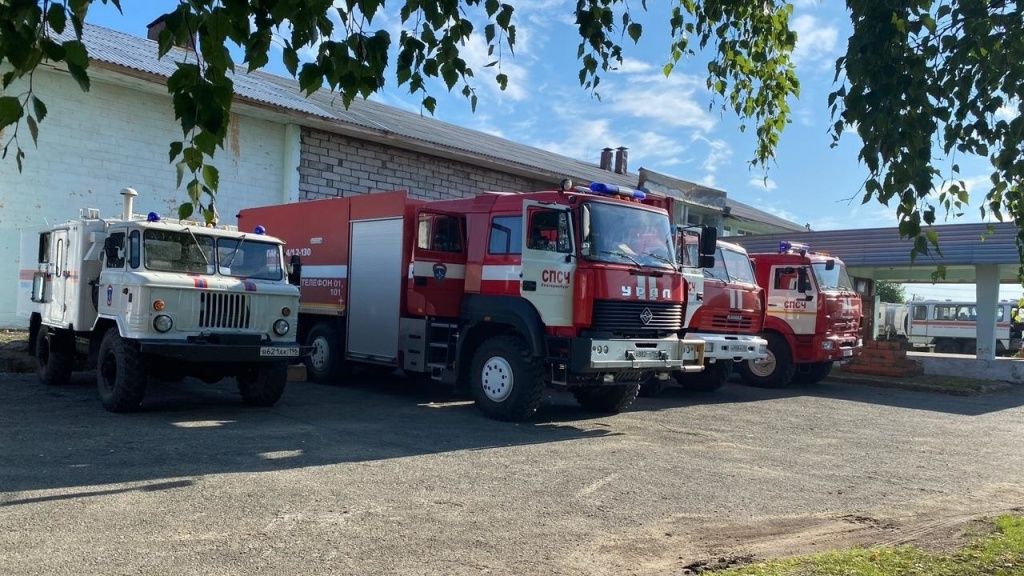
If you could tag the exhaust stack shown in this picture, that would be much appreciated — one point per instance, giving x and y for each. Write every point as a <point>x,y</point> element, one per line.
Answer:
<point>129,201</point>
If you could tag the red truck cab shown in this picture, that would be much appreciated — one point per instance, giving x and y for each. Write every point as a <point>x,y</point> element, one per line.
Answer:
<point>813,318</point>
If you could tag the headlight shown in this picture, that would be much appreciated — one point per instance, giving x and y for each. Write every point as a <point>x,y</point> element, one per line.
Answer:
<point>163,323</point>
<point>827,344</point>
<point>281,327</point>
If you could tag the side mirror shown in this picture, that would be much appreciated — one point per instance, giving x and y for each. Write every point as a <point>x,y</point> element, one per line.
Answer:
<point>708,240</point>
<point>803,284</point>
<point>830,264</point>
<point>706,261</point>
<point>295,270</point>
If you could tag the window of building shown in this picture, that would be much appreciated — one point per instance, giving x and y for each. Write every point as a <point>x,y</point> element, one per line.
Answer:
<point>506,235</point>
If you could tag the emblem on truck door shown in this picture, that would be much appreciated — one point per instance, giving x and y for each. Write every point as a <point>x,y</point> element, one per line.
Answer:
<point>440,271</point>
<point>646,316</point>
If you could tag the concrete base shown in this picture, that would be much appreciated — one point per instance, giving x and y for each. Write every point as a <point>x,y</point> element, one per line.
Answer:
<point>1000,369</point>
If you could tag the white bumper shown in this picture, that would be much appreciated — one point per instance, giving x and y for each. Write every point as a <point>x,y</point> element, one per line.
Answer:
<point>729,347</point>
<point>647,354</point>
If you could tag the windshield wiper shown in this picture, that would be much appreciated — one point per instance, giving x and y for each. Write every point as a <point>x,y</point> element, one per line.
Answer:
<point>661,258</point>
<point>621,254</point>
<point>237,246</point>
<point>196,240</point>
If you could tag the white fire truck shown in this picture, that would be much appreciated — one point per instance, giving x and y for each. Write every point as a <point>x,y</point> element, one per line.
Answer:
<point>499,294</point>
<point>139,297</point>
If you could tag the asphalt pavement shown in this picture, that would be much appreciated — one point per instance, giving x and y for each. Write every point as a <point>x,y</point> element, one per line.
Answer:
<point>386,477</point>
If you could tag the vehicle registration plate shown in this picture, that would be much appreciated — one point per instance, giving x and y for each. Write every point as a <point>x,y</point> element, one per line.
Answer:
<point>646,354</point>
<point>847,353</point>
<point>279,351</point>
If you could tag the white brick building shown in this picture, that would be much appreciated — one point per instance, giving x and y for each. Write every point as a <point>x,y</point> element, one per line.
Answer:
<point>281,147</point>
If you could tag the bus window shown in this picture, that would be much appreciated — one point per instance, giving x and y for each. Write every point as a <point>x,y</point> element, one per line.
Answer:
<point>920,312</point>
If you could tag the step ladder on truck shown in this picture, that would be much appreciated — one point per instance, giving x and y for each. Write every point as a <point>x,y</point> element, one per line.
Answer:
<point>499,294</point>
<point>140,297</point>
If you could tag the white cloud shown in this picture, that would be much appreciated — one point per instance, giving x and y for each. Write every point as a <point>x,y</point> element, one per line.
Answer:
<point>816,41</point>
<point>719,152</point>
<point>807,3</point>
<point>766,184</point>
<point>784,214</point>
<point>474,52</point>
<point>1008,111</point>
<point>645,147</point>
<point>669,101</point>
<point>632,66</point>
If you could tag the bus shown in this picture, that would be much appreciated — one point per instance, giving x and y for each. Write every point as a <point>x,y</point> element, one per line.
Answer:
<point>949,326</point>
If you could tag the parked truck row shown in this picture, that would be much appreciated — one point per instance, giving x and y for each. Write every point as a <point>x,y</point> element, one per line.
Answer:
<point>589,289</point>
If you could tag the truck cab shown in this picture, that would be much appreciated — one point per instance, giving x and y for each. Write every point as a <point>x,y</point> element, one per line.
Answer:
<point>139,297</point>
<point>813,319</point>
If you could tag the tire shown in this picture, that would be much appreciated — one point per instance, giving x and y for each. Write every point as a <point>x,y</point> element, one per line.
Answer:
<point>262,384</point>
<point>55,357</point>
<point>607,399</point>
<point>326,359</point>
<point>946,346</point>
<point>713,377</point>
<point>813,373</point>
<point>507,380</point>
<point>774,372</point>
<point>652,387</point>
<point>120,375</point>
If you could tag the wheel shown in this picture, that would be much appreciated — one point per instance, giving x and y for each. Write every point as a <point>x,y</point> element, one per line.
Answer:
<point>55,357</point>
<point>507,379</point>
<point>813,373</point>
<point>652,387</point>
<point>607,399</point>
<point>713,377</point>
<point>120,376</point>
<point>262,384</point>
<point>325,360</point>
<point>775,371</point>
<point>946,346</point>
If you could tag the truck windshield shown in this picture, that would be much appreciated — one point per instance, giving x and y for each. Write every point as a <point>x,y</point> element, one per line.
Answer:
<point>246,258</point>
<point>171,251</point>
<point>738,266</point>
<point>834,279</point>
<point>622,234</point>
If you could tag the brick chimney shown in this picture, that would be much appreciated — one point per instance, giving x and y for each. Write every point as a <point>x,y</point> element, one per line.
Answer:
<point>621,160</point>
<point>156,26</point>
<point>606,159</point>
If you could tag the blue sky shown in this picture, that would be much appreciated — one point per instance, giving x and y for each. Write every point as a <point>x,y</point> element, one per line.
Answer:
<point>665,122</point>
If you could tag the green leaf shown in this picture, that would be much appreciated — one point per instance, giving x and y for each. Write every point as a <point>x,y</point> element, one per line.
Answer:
<point>430,103</point>
<point>634,30</point>
<point>185,210</point>
<point>33,129</point>
<point>39,107</point>
<point>56,17</point>
<point>10,111</point>
<point>180,168</point>
<point>193,158</point>
<point>211,176</point>
<point>502,80</point>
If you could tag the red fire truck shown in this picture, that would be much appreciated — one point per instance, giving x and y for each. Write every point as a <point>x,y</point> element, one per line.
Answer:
<point>499,294</point>
<point>725,306</point>
<point>814,316</point>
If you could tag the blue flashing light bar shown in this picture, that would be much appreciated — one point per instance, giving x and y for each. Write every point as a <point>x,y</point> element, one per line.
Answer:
<point>152,217</point>
<point>787,246</point>
<point>614,190</point>
<point>260,230</point>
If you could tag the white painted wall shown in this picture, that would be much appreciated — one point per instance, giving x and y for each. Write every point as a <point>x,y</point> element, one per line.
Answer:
<point>93,144</point>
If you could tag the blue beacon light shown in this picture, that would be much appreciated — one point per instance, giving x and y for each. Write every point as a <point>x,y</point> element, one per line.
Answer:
<point>152,217</point>
<point>260,230</point>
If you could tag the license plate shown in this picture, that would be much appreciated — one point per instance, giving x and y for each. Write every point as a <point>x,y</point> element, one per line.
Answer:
<point>847,353</point>
<point>279,351</point>
<point>647,354</point>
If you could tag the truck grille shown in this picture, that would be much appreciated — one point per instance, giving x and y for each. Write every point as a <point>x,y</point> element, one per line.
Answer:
<point>735,321</point>
<point>637,318</point>
<point>223,310</point>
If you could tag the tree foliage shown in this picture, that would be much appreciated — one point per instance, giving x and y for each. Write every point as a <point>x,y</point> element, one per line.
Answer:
<point>892,292</point>
<point>921,80</point>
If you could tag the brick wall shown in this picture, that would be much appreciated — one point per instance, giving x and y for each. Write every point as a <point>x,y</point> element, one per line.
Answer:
<point>336,165</point>
<point>93,144</point>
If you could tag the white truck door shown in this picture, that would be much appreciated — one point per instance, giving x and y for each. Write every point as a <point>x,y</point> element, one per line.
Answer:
<point>786,302</point>
<point>56,308</point>
<point>547,269</point>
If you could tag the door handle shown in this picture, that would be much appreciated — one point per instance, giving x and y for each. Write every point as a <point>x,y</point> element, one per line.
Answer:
<point>529,285</point>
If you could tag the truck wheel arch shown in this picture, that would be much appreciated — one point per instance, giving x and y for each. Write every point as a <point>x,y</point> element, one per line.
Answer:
<point>484,317</point>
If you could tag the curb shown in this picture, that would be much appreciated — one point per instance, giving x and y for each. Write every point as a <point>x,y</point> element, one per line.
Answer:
<point>919,386</point>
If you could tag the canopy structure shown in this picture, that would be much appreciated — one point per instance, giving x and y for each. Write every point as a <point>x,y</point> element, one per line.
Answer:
<point>982,254</point>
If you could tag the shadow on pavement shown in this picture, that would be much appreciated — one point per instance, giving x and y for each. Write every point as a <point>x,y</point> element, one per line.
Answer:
<point>61,437</point>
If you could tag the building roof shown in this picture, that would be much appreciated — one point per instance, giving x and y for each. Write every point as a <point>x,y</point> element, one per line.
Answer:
<point>388,123</point>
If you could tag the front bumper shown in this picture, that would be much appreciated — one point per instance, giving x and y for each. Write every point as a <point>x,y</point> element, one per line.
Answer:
<point>200,352</point>
<point>736,348</point>
<point>834,348</point>
<point>591,355</point>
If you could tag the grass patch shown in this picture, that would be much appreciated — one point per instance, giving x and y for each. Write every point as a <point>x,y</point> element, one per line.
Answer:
<point>1000,553</point>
